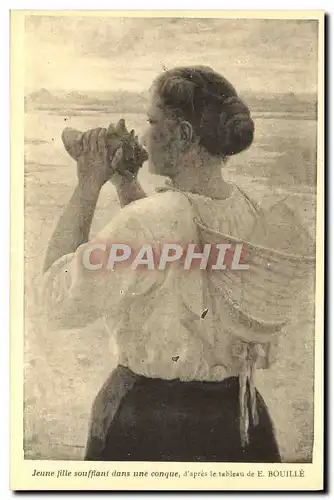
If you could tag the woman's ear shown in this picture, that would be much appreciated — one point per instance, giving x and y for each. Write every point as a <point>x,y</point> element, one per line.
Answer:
<point>187,132</point>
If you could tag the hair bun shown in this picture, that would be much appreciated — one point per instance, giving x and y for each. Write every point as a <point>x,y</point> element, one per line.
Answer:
<point>236,127</point>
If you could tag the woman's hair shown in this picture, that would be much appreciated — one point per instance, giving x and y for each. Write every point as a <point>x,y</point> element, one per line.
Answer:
<point>211,104</point>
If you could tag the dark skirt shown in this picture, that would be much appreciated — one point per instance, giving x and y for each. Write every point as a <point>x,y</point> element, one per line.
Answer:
<point>135,418</point>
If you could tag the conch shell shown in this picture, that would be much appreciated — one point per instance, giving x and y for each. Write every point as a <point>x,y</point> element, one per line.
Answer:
<point>133,154</point>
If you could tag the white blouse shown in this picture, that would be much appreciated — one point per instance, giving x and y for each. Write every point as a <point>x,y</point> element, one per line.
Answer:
<point>155,315</point>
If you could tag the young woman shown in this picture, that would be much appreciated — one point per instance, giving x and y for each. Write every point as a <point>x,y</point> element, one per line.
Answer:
<point>183,389</point>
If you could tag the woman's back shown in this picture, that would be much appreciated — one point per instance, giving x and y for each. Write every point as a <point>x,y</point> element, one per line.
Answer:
<point>161,323</point>
<point>164,323</point>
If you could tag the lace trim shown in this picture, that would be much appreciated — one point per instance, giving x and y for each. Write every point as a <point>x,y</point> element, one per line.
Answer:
<point>169,187</point>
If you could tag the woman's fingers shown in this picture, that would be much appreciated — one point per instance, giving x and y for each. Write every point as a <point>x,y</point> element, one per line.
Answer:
<point>117,159</point>
<point>101,140</point>
<point>86,141</point>
<point>94,140</point>
<point>117,166</point>
<point>90,140</point>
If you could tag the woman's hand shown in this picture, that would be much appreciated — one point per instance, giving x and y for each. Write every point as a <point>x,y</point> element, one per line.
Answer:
<point>113,154</point>
<point>121,176</point>
<point>93,165</point>
<point>127,157</point>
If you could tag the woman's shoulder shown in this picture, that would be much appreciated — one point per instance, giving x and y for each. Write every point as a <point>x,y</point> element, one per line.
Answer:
<point>166,200</point>
<point>166,214</point>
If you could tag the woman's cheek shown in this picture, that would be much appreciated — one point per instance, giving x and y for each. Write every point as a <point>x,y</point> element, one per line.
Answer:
<point>157,141</point>
<point>158,134</point>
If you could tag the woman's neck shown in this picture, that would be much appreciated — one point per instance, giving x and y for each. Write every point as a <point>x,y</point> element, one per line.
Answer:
<point>201,174</point>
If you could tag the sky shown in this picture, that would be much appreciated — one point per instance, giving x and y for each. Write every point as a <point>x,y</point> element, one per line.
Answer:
<point>104,53</point>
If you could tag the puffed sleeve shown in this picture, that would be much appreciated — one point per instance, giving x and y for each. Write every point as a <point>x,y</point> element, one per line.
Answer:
<point>76,294</point>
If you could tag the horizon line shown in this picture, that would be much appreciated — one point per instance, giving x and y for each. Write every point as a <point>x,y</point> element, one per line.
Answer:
<point>81,91</point>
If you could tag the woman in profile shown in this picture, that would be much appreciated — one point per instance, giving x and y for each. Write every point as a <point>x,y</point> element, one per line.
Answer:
<point>188,341</point>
